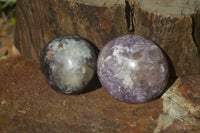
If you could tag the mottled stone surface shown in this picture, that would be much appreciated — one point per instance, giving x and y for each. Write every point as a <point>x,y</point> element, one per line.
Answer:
<point>29,105</point>
<point>183,98</point>
<point>68,64</point>
<point>181,105</point>
<point>132,69</point>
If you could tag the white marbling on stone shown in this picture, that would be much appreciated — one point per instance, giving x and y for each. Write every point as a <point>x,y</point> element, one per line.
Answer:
<point>72,63</point>
<point>132,69</point>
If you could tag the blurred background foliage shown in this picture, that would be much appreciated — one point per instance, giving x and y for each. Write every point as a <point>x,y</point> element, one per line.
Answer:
<point>8,10</point>
<point>7,27</point>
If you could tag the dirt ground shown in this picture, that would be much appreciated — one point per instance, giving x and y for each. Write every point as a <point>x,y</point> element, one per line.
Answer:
<point>29,105</point>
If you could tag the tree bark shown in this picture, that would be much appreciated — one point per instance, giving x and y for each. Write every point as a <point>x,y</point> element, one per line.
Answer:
<point>174,26</point>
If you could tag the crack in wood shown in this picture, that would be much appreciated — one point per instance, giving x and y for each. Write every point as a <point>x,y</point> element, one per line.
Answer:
<point>195,29</point>
<point>129,11</point>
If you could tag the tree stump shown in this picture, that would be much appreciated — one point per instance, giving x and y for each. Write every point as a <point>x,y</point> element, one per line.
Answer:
<point>173,25</point>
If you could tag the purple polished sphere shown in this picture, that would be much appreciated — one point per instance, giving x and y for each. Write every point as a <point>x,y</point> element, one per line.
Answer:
<point>132,69</point>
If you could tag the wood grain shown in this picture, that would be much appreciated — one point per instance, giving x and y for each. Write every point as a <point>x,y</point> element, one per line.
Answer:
<point>174,26</point>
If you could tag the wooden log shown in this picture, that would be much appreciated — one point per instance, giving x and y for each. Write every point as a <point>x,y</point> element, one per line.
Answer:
<point>173,25</point>
<point>40,21</point>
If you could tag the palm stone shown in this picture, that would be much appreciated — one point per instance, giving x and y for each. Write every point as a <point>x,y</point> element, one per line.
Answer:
<point>132,69</point>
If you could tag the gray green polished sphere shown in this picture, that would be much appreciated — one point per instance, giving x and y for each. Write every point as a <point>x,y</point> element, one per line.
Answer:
<point>68,64</point>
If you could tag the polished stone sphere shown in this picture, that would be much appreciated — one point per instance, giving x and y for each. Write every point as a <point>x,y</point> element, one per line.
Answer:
<point>132,69</point>
<point>68,64</point>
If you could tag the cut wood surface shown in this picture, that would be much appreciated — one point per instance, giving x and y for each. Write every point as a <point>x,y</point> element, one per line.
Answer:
<point>173,25</point>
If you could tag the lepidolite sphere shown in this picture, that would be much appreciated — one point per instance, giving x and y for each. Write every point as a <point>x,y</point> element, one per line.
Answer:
<point>132,69</point>
<point>68,64</point>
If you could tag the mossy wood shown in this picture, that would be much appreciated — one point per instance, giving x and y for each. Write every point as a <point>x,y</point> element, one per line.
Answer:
<point>173,25</point>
